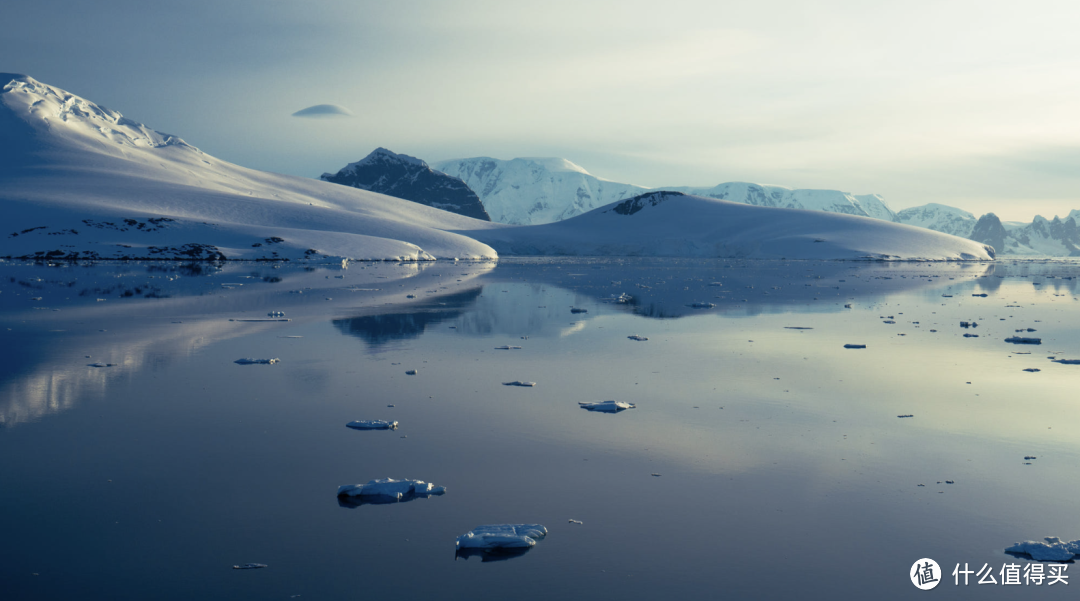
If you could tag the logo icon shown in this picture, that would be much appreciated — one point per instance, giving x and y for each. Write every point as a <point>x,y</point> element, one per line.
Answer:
<point>925,574</point>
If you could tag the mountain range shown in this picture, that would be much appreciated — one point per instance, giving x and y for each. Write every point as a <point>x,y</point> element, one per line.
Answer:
<point>80,181</point>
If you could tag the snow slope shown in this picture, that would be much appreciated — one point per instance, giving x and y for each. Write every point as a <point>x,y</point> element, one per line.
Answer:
<point>531,191</point>
<point>833,201</point>
<point>940,218</point>
<point>677,225</point>
<point>81,181</point>
<point>528,191</point>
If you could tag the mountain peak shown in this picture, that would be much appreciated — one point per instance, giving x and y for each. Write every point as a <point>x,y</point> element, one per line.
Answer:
<point>66,115</point>
<point>402,176</point>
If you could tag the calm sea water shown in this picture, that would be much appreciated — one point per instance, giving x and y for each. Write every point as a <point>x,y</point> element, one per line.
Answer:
<point>762,460</point>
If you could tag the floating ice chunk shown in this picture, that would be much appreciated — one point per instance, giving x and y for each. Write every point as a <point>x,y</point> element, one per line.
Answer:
<point>257,361</point>
<point>372,424</point>
<point>606,406</point>
<point>1021,340</point>
<point>638,338</point>
<point>507,347</point>
<point>386,490</point>
<point>854,346</point>
<point>1054,549</point>
<point>502,536</point>
<point>520,383</point>
<point>249,566</point>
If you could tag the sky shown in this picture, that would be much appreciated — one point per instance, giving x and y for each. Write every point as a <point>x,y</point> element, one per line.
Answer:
<point>969,104</point>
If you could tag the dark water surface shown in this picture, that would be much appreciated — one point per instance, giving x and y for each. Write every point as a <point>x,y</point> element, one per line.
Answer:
<point>784,471</point>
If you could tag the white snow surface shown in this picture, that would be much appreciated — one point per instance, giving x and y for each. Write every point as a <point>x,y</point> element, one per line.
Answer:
<point>940,218</point>
<point>72,172</point>
<point>766,195</point>
<point>1053,549</point>
<point>527,191</point>
<point>388,487</point>
<point>531,191</point>
<point>677,225</point>
<point>502,536</point>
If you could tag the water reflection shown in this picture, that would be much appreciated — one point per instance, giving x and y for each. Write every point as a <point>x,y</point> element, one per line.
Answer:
<point>486,555</point>
<point>383,328</point>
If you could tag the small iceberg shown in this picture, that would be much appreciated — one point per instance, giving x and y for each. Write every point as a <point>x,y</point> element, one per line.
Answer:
<point>257,361</point>
<point>1054,549</point>
<point>520,383</point>
<point>372,424</point>
<point>1022,340</point>
<point>607,406</point>
<point>387,490</point>
<point>638,338</point>
<point>497,542</point>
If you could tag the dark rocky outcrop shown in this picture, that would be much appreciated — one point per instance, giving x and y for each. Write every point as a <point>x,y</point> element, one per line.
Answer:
<point>409,178</point>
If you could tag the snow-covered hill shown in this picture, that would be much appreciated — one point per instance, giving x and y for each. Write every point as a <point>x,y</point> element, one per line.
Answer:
<point>530,191</point>
<point>403,176</point>
<point>940,218</point>
<point>673,224</point>
<point>81,181</point>
<point>544,190</point>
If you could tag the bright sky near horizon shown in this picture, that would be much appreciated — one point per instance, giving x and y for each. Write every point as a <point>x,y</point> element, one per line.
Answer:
<point>969,104</point>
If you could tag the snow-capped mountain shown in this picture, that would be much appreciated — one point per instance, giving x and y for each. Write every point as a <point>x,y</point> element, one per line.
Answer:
<point>674,224</point>
<point>940,218</point>
<point>403,176</point>
<point>530,191</point>
<point>544,190</point>
<point>833,201</point>
<point>1054,237</point>
<point>78,180</point>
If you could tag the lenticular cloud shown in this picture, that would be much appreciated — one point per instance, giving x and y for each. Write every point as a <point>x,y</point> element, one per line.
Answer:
<point>323,110</point>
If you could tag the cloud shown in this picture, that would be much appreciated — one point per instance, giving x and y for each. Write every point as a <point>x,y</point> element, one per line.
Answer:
<point>323,110</point>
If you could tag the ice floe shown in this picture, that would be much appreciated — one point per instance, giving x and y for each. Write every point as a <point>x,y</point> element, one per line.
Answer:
<point>606,406</point>
<point>372,424</point>
<point>249,361</point>
<point>520,383</point>
<point>386,490</point>
<point>1053,549</point>
<point>496,542</point>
